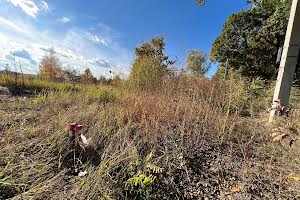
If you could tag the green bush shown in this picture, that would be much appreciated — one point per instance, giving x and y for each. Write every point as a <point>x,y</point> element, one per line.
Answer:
<point>147,73</point>
<point>102,94</point>
<point>7,80</point>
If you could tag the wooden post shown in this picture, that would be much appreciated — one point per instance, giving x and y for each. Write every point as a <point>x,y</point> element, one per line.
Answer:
<point>289,58</point>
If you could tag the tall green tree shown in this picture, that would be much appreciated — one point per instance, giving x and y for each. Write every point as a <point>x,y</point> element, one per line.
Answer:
<point>155,49</point>
<point>197,63</point>
<point>250,39</point>
<point>150,65</point>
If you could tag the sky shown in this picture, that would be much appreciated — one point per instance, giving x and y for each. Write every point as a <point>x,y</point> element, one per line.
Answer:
<point>102,34</point>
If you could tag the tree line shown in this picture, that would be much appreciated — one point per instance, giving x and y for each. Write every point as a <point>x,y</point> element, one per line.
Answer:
<point>248,44</point>
<point>51,69</point>
<point>150,66</point>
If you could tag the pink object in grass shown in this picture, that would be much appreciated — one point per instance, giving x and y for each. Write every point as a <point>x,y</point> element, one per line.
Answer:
<point>75,128</point>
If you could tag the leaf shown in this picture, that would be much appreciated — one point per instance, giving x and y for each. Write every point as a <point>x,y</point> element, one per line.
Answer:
<point>81,174</point>
<point>148,180</point>
<point>280,137</point>
<point>275,134</point>
<point>234,189</point>
<point>154,168</point>
<point>294,178</point>
<point>149,156</point>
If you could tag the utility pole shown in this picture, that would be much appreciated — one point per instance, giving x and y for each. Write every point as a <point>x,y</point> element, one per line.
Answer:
<point>289,58</point>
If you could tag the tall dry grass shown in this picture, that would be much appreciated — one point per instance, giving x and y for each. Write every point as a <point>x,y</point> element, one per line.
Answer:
<point>187,139</point>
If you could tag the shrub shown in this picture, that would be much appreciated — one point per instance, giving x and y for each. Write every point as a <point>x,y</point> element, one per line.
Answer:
<point>87,77</point>
<point>7,80</point>
<point>102,94</point>
<point>146,73</point>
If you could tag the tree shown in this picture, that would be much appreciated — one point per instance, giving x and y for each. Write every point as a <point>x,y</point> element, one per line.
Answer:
<point>50,66</point>
<point>103,80</point>
<point>150,65</point>
<point>87,77</point>
<point>147,73</point>
<point>155,49</point>
<point>250,39</point>
<point>69,74</point>
<point>196,63</point>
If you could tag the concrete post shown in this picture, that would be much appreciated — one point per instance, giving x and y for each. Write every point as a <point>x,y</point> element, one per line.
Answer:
<point>289,58</point>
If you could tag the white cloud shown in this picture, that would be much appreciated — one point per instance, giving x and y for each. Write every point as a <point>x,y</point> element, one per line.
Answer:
<point>28,6</point>
<point>75,48</point>
<point>100,62</point>
<point>64,20</point>
<point>98,40</point>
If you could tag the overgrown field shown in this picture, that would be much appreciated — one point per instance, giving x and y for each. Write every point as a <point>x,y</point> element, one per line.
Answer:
<point>191,138</point>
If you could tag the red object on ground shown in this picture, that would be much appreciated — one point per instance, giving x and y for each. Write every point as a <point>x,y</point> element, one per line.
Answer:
<point>75,128</point>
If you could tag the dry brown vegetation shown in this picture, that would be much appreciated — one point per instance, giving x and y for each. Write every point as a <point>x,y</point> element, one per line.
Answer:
<point>191,138</point>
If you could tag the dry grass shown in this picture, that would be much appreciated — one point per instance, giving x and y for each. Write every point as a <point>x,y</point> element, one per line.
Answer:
<point>187,140</point>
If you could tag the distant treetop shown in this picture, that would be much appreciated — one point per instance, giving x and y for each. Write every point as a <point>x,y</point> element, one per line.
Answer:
<point>200,2</point>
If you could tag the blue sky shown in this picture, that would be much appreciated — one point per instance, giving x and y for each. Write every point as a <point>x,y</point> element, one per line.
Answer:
<point>102,34</point>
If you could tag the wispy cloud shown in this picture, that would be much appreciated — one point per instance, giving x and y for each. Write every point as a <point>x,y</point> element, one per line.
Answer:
<point>98,39</point>
<point>64,20</point>
<point>28,6</point>
<point>11,24</point>
<point>100,63</point>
